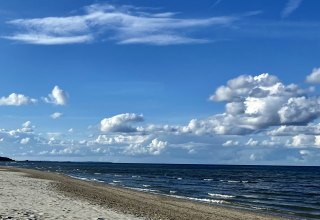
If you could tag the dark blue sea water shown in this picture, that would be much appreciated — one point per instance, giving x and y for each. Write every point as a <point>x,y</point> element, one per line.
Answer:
<point>292,191</point>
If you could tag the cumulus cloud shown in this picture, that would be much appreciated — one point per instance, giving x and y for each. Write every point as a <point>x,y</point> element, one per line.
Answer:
<point>255,103</point>
<point>56,115</point>
<point>317,140</point>
<point>284,130</point>
<point>17,100</point>
<point>314,77</point>
<point>120,123</point>
<point>154,148</point>
<point>299,110</point>
<point>25,140</point>
<point>27,127</point>
<point>57,96</point>
<point>230,143</point>
<point>302,140</point>
<point>252,142</point>
<point>123,24</point>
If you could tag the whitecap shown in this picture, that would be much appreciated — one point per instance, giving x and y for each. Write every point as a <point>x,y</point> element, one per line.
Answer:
<point>233,181</point>
<point>216,195</point>
<point>200,199</point>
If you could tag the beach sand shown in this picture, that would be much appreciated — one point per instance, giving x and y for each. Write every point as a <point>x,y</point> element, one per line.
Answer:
<point>32,194</point>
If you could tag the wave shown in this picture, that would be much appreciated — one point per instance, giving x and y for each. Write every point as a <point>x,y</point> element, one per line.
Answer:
<point>217,201</point>
<point>216,195</point>
<point>116,181</point>
<point>233,181</point>
<point>79,178</point>
<point>146,185</point>
<point>96,180</point>
<point>142,189</point>
<point>173,192</point>
<point>207,179</point>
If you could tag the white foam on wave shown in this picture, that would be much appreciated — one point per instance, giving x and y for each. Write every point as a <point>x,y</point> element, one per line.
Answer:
<point>200,199</point>
<point>173,192</point>
<point>217,195</point>
<point>116,181</point>
<point>207,179</point>
<point>143,189</point>
<point>79,178</point>
<point>233,181</point>
<point>179,178</point>
<point>96,180</point>
<point>144,185</point>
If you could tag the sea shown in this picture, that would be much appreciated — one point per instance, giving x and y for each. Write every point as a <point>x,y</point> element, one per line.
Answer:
<point>291,191</point>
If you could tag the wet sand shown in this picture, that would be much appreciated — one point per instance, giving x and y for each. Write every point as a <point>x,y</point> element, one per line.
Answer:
<point>47,195</point>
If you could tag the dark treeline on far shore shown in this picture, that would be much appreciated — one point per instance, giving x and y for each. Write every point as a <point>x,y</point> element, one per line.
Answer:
<point>5,159</point>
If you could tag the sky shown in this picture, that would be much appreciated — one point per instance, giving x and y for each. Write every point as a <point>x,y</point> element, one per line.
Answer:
<point>206,82</point>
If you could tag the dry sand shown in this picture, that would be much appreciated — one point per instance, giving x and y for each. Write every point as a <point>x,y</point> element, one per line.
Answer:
<point>22,197</point>
<point>54,196</point>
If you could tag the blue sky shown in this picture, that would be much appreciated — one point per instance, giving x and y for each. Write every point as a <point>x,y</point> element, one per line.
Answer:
<point>221,81</point>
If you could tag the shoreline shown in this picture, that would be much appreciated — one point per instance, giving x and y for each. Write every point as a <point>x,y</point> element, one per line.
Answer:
<point>136,203</point>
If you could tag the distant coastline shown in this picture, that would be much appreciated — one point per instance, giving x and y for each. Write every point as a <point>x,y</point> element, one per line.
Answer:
<point>6,159</point>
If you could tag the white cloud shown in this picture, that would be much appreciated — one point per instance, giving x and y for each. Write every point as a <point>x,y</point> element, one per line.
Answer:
<point>302,140</point>
<point>252,142</point>
<point>25,140</point>
<point>156,146</point>
<point>314,77</point>
<point>252,157</point>
<point>317,140</point>
<point>121,139</point>
<point>230,143</point>
<point>125,25</point>
<point>284,130</point>
<point>16,100</point>
<point>255,103</point>
<point>50,40</point>
<point>57,97</point>
<point>299,110</point>
<point>56,115</point>
<point>290,7</point>
<point>120,123</point>
<point>163,39</point>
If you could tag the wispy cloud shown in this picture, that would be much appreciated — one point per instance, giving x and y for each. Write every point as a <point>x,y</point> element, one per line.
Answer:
<point>123,24</point>
<point>290,7</point>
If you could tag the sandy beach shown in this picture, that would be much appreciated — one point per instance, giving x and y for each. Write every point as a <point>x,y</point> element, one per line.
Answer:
<point>32,194</point>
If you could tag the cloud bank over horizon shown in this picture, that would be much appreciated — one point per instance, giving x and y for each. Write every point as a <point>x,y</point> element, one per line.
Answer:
<point>262,117</point>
